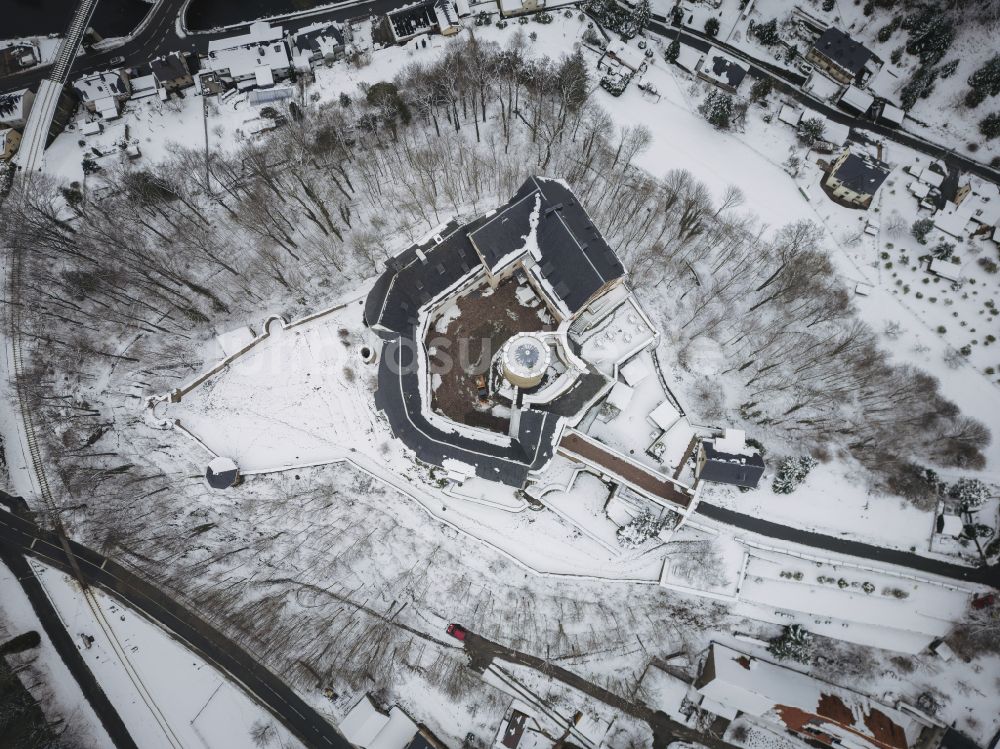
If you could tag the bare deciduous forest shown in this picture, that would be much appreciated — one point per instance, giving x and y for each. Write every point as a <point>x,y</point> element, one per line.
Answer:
<point>120,291</point>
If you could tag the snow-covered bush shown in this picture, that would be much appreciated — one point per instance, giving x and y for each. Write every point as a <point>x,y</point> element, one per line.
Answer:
<point>767,33</point>
<point>811,130</point>
<point>920,229</point>
<point>639,530</point>
<point>970,493</point>
<point>721,110</point>
<point>791,472</point>
<point>989,126</point>
<point>673,51</point>
<point>794,644</point>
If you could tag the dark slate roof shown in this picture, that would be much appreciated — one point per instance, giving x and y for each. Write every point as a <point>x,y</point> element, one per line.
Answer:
<point>573,256</point>
<point>740,470</point>
<point>306,41</point>
<point>862,174</point>
<point>168,68</point>
<point>727,69</point>
<point>576,260</point>
<point>399,398</point>
<point>221,480</point>
<point>579,394</point>
<point>837,46</point>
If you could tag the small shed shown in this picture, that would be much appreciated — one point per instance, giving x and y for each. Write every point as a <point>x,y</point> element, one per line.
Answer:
<point>222,473</point>
<point>856,99</point>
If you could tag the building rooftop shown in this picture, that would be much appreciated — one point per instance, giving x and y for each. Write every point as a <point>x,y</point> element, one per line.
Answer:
<point>848,54</point>
<point>862,174</point>
<point>169,68</point>
<point>723,68</point>
<point>801,702</point>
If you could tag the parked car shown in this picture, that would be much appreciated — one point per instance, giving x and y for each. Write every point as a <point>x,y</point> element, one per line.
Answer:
<point>457,631</point>
<point>117,60</point>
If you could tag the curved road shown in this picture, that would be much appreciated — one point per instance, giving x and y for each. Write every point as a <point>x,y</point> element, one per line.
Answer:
<point>22,537</point>
<point>981,575</point>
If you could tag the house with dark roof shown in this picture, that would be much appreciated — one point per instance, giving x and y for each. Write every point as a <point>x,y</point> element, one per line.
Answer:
<point>855,178</point>
<point>729,460</point>
<point>723,70</point>
<point>320,41</point>
<point>171,72</point>
<point>545,232</point>
<point>842,58</point>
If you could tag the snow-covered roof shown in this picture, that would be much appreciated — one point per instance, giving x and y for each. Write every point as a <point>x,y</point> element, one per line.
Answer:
<point>820,86</point>
<point>260,32</point>
<point>790,115</point>
<point>107,107</point>
<point>802,703</point>
<point>620,395</point>
<point>946,270</point>
<point>635,371</point>
<point>100,85</point>
<point>688,58</point>
<point>90,128</point>
<point>951,220</point>
<point>262,75</point>
<point>143,85</point>
<point>983,202</point>
<point>369,728</point>
<point>835,132</point>
<point>723,68</point>
<point>511,6</point>
<point>664,415</point>
<point>857,99</point>
<point>932,178</point>
<point>892,114</point>
<point>733,442</point>
<point>920,189</point>
<point>242,62</point>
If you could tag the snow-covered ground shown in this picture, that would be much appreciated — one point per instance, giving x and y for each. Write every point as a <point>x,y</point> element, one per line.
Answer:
<point>47,668</point>
<point>290,404</point>
<point>166,695</point>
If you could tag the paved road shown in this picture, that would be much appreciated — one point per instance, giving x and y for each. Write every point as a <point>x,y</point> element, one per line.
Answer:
<point>21,536</point>
<point>983,575</point>
<point>65,645</point>
<point>158,36</point>
<point>482,652</point>
<point>787,83</point>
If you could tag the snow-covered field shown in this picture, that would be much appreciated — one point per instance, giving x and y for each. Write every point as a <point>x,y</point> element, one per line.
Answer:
<point>47,668</point>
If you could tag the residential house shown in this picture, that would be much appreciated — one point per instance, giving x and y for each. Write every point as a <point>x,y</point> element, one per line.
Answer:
<point>517,7</point>
<point>251,59</point>
<point>367,727</point>
<point>15,107</point>
<point>723,70</point>
<point>103,93</point>
<point>855,178</point>
<point>816,711</point>
<point>171,72</point>
<point>842,58</point>
<point>446,16</point>
<point>410,21</point>
<point>729,460</point>
<point>320,41</point>
<point>629,57</point>
<point>10,139</point>
<point>975,208</point>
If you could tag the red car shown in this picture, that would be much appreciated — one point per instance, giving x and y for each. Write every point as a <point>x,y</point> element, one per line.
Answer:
<point>457,631</point>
